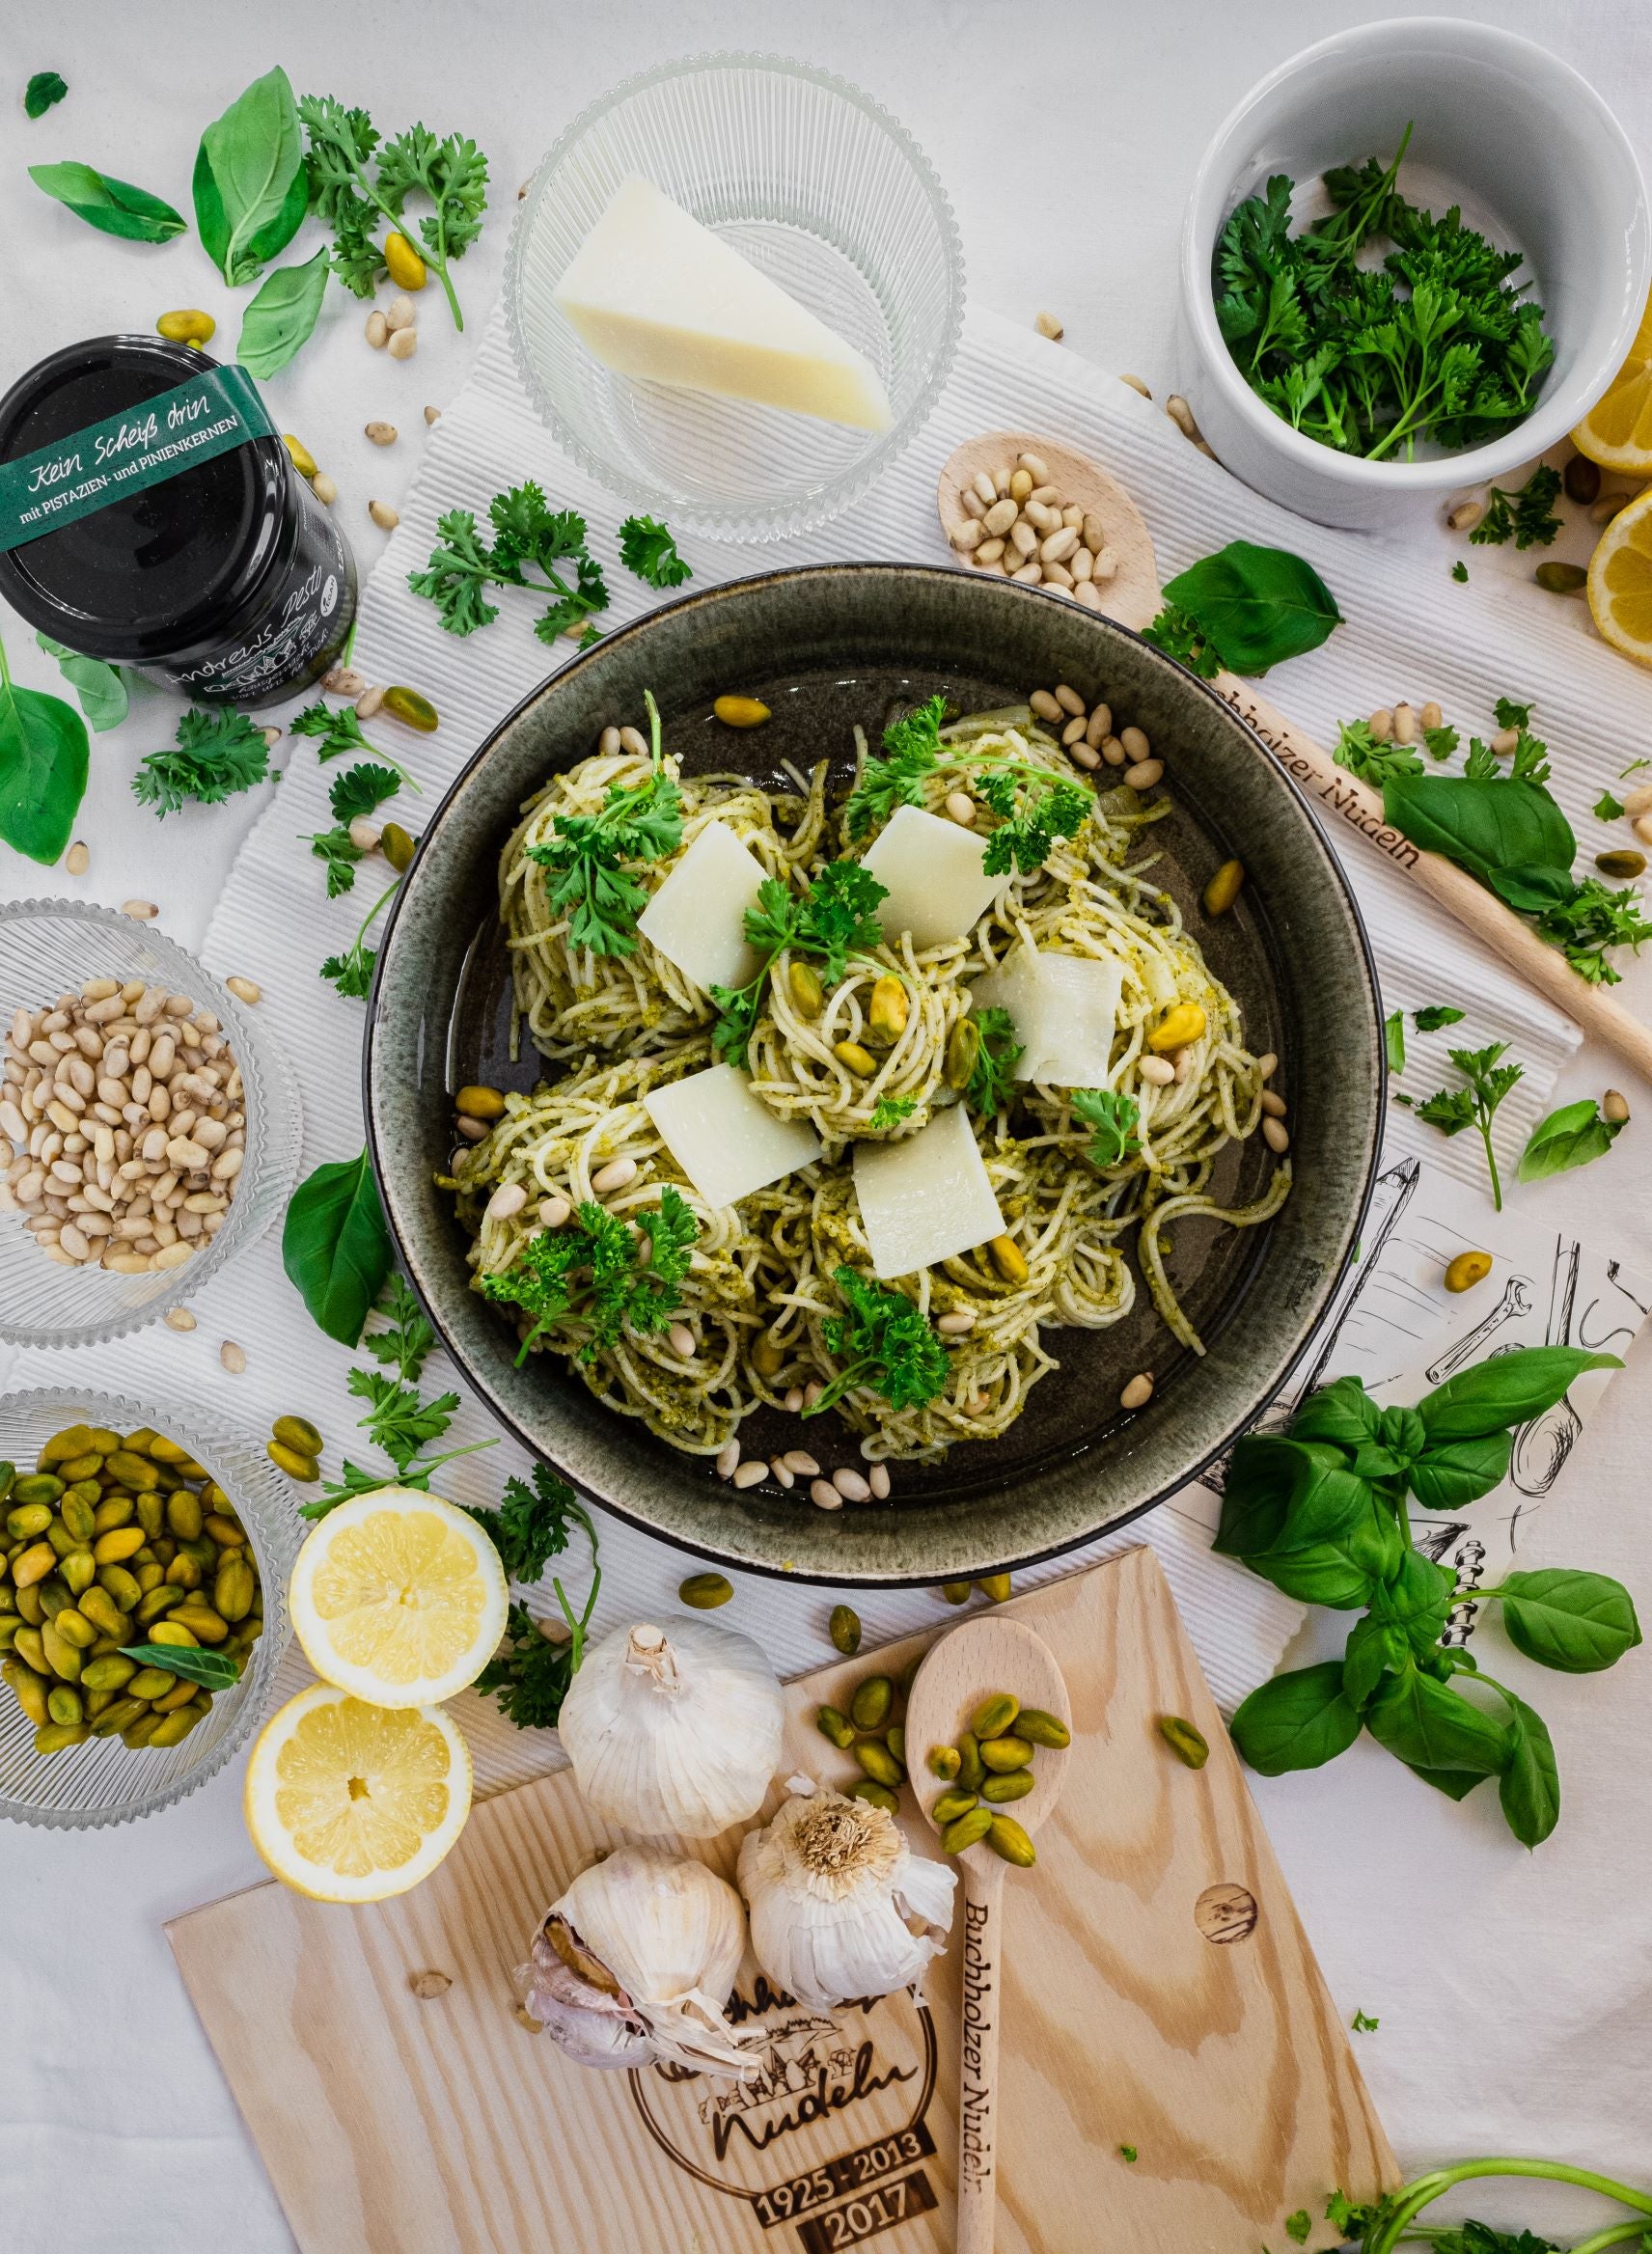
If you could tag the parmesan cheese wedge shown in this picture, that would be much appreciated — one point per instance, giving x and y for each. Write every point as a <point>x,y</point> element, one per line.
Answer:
<point>696,919</point>
<point>927,1198</point>
<point>657,297</point>
<point>724,1137</point>
<point>1065,1012</point>
<point>932,872</point>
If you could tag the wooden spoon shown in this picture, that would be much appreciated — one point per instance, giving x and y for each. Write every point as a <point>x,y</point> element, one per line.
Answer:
<point>983,1656</point>
<point>1132,597</point>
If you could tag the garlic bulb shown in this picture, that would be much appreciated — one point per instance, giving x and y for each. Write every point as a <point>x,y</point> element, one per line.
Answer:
<point>840,1905</point>
<point>680,1735</point>
<point>636,1962</point>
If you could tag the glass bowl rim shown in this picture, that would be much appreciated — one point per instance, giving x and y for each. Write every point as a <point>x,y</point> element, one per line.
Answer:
<point>271,1648</point>
<point>794,519</point>
<point>269,1064</point>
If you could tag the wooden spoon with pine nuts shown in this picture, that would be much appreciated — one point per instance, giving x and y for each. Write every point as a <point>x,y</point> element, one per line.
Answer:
<point>1131,595</point>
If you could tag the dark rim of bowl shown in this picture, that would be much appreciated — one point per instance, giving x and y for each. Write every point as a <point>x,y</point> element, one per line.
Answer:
<point>479,1385</point>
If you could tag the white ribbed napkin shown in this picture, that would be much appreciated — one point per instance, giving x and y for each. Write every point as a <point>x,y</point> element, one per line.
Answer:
<point>1403,636</point>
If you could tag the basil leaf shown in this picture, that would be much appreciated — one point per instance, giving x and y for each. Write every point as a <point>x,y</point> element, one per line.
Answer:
<point>100,688</point>
<point>1256,606</point>
<point>1576,1622</point>
<point>44,759</point>
<point>1298,1720</point>
<point>1571,1136</point>
<point>1427,1725</point>
<point>1256,1498</point>
<point>1481,826</point>
<point>1375,1648</point>
<point>1337,1545</point>
<point>1450,1477</point>
<point>1416,1598</point>
<point>1344,1412</point>
<point>281,317</point>
<point>1529,1788</point>
<point>1508,1389</point>
<point>114,206</point>
<point>1401,1429</point>
<point>215,1670</point>
<point>1534,889</point>
<point>1455,1783</point>
<point>44,89</point>
<point>336,1247</point>
<point>250,186</point>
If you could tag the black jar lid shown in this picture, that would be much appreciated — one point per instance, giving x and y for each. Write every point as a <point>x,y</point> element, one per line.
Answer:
<point>167,569</point>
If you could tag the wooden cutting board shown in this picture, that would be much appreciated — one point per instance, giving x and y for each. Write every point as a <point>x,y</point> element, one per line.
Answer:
<point>1161,1996</point>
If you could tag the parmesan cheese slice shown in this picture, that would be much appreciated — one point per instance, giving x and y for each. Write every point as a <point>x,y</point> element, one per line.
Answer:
<point>726,1140</point>
<point>655,295</point>
<point>932,872</point>
<point>1065,1012</point>
<point>696,919</point>
<point>927,1198</point>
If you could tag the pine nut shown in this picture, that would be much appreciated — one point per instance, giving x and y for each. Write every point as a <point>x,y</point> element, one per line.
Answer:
<point>232,1356</point>
<point>1040,513</point>
<point>1273,1105</point>
<point>792,1403</point>
<point>1105,567</point>
<point>140,911</point>
<point>800,1461</point>
<point>682,1341</point>
<point>727,1458</point>
<point>877,1479</point>
<point>1181,415</point>
<point>1000,517</point>
<point>780,1475</point>
<point>1136,385</point>
<point>967,535</point>
<point>1046,496</point>
<point>1035,467</point>
<point>822,1492</point>
<point>325,488</point>
<point>365,834</point>
<point>1023,539</point>
<point>1020,486</point>
<point>1614,1107</point>
<point>1068,698</point>
<point>1430,716</point>
<point>1085,592</point>
<point>631,741</point>
<point>78,858</point>
<point>343,680</point>
<point>1275,1136</point>
<point>1135,744</point>
<point>989,551</point>
<point>433,414</point>
<point>985,489</point>
<point>1638,800</point>
<point>1083,755</point>
<point>1057,575</point>
<point>1074,731</point>
<point>1643,828</point>
<point>507,1201</point>
<point>1145,774</point>
<point>1047,325</point>
<point>380,433</point>
<point>961,808</point>
<point>1081,562</point>
<point>811,1393</point>
<point>1267,1064</point>
<point>956,1324</point>
<point>1466,515</point>
<point>368,702</point>
<point>1044,704</point>
<point>378,330</point>
<point>614,1176</point>
<point>1113,750</point>
<point>1505,741</point>
<point>403,344</point>
<point>553,1211</point>
<point>398,314</point>
<point>1029,574</point>
<point>178,1319</point>
<point>245,990</point>
<point>851,1486</point>
<point>383,516</point>
<point>1404,725</point>
<point>1138,1392</point>
<point>1157,1071</point>
<point>970,502</point>
<point>753,1470</point>
<point>1381,725</point>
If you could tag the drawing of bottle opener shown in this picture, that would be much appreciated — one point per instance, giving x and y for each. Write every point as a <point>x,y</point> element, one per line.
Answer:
<point>1516,1301</point>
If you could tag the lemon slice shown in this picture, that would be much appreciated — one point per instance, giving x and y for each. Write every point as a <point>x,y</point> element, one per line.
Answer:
<point>1617,430</point>
<point>351,1802</point>
<point>1621,581</point>
<point>399,1596</point>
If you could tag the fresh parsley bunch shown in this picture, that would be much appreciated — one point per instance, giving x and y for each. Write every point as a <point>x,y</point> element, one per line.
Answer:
<point>358,180</point>
<point>1525,515</point>
<point>587,854</point>
<point>1437,343</point>
<point>528,534</point>
<point>601,1273</point>
<point>219,754</point>
<point>1034,805</point>
<point>1322,1512</point>
<point>885,1344</point>
<point>833,920</point>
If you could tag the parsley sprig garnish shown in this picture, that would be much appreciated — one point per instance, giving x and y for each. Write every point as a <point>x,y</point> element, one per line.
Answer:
<point>1452,1110</point>
<point>592,1272</point>
<point>1436,343</point>
<point>409,1340</point>
<point>1114,1120</point>
<point>992,1081</point>
<point>353,200</point>
<point>647,550</point>
<point>336,731</point>
<point>1526,514</point>
<point>219,754</point>
<point>528,534</point>
<point>356,792</point>
<point>1359,751</point>
<point>886,1344</point>
<point>888,1112</point>
<point>1034,805</point>
<point>351,972</point>
<point>832,921</point>
<point>586,853</point>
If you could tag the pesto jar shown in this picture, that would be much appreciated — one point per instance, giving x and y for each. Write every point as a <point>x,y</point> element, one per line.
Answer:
<point>174,535</point>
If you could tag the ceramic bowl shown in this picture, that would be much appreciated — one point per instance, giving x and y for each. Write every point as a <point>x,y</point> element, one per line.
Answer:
<point>1500,126</point>
<point>827,648</point>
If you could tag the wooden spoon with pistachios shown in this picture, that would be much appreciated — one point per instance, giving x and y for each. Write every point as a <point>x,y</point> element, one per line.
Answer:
<point>980,1659</point>
<point>1123,585</point>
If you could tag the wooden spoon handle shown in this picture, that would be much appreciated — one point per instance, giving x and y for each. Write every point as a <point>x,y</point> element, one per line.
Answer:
<point>1478,909</point>
<point>978,2080</point>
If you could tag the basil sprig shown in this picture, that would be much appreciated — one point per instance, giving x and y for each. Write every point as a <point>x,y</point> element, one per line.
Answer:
<point>335,1246</point>
<point>213,1670</point>
<point>1321,1512</point>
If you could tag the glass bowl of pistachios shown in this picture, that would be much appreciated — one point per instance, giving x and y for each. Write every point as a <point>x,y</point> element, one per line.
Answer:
<point>143,1602</point>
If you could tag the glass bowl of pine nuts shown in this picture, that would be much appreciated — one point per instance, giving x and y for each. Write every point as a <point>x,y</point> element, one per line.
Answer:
<point>172,1537</point>
<point>148,1130</point>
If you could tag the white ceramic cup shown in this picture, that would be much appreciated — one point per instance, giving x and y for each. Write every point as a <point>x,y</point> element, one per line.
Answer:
<point>1537,162</point>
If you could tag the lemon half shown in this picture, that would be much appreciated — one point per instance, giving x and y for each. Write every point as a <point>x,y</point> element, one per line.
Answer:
<point>1621,581</point>
<point>1617,430</point>
<point>399,1597</point>
<point>351,1802</point>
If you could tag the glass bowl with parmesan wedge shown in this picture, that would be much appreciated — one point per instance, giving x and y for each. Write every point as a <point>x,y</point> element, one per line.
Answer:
<point>734,292</point>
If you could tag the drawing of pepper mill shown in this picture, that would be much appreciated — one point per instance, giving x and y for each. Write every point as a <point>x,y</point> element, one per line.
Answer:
<point>1516,1301</point>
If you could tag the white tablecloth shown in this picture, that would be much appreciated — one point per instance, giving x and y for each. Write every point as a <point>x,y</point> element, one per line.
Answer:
<point>1513,1991</point>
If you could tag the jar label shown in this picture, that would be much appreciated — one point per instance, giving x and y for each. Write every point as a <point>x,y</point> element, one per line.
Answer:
<point>142,446</point>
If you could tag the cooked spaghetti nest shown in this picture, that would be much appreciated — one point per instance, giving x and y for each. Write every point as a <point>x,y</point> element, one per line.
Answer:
<point>759,1288</point>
